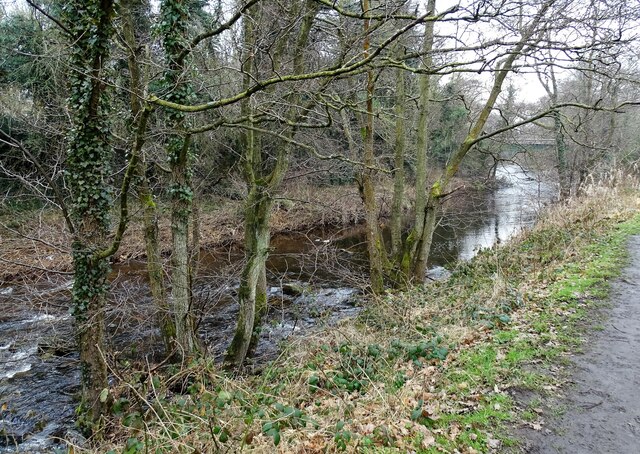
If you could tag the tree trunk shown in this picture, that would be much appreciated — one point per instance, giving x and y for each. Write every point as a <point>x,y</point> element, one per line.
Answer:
<point>181,199</point>
<point>252,294</point>
<point>375,245</point>
<point>452,167</point>
<point>88,158</point>
<point>89,300</point>
<point>154,263</point>
<point>426,239</point>
<point>561,154</point>
<point>262,185</point>
<point>174,26</point>
<point>133,24</point>
<point>398,171</point>
<point>419,240</point>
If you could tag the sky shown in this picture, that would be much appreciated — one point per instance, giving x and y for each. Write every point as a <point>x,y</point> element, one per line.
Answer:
<point>529,88</point>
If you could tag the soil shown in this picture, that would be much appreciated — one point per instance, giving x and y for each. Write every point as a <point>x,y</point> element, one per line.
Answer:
<point>601,410</point>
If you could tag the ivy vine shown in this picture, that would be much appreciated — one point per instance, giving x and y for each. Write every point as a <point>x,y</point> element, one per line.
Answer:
<point>173,28</point>
<point>89,151</point>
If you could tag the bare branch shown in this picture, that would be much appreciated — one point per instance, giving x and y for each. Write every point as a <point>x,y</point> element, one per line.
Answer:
<point>54,187</point>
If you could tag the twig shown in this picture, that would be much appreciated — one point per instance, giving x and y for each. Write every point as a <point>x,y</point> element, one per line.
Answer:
<point>39,240</point>
<point>618,329</point>
<point>590,406</point>
<point>56,190</point>
<point>50,17</point>
<point>11,262</point>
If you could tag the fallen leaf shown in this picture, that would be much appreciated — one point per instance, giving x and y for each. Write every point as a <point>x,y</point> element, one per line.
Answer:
<point>428,440</point>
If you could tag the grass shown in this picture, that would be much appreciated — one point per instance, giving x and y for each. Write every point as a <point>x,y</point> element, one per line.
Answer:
<point>427,370</point>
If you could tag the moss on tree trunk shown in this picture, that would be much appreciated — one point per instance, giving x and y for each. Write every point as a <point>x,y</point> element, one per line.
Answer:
<point>252,294</point>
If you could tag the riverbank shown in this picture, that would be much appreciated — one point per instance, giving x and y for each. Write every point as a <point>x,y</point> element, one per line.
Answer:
<point>434,369</point>
<point>36,243</point>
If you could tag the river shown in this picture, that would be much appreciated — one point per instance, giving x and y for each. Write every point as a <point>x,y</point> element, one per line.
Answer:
<point>312,280</point>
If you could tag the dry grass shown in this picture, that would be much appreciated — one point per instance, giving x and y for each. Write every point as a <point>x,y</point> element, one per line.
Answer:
<point>198,408</point>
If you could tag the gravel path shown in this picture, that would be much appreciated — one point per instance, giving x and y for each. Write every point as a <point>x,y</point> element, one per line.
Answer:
<point>603,407</point>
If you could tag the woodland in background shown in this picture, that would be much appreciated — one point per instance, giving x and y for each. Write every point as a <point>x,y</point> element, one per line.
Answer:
<point>119,110</point>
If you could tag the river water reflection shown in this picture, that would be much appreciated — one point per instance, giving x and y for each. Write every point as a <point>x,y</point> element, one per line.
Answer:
<point>494,218</point>
<point>483,219</point>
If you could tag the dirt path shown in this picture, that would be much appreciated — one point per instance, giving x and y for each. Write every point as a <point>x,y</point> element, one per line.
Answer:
<point>602,409</point>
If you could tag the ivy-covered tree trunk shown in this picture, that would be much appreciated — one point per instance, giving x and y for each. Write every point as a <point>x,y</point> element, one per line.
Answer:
<point>174,25</point>
<point>88,158</point>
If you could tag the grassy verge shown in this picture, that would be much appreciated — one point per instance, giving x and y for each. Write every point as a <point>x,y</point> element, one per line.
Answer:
<point>429,370</point>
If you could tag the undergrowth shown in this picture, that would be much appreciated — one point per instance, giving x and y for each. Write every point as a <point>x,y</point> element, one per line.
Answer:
<point>427,370</point>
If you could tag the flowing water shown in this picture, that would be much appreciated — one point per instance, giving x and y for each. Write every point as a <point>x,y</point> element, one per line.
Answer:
<point>312,277</point>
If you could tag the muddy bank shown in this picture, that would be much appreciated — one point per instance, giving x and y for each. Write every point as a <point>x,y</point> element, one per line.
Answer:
<point>600,412</point>
<point>37,243</point>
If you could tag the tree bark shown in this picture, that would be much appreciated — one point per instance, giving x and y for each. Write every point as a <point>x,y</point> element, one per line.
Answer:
<point>181,199</point>
<point>252,294</point>
<point>261,186</point>
<point>155,269</point>
<point>398,171</point>
<point>561,156</point>
<point>89,301</point>
<point>375,245</point>
<point>134,25</point>
<point>174,28</point>
<point>419,243</point>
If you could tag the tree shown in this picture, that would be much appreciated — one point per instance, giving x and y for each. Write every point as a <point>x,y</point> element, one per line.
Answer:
<point>262,79</point>
<point>550,83</point>
<point>263,179</point>
<point>135,32</point>
<point>174,23</point>
<point>412,262</point>
<point>88,157</point>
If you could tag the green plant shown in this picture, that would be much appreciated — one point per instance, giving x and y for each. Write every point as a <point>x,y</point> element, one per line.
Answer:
<point>342,436</point>
<point>283,416</point>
